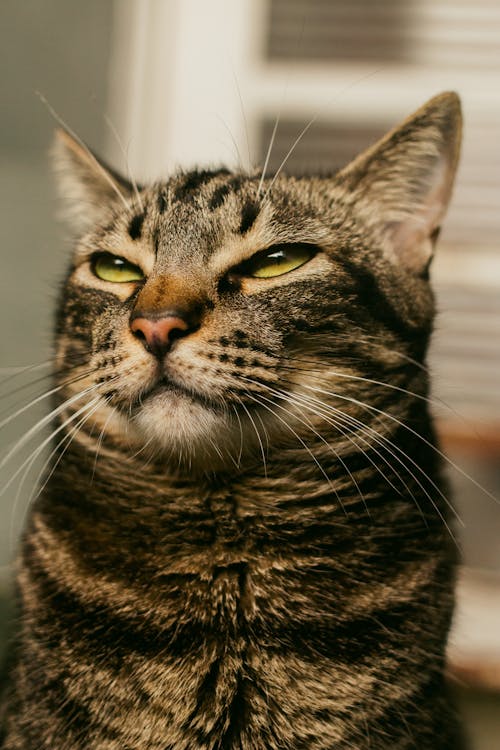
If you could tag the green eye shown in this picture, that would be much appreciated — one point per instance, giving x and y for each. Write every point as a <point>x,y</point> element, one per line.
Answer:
<point>278,260</point>
<point>113,268</point>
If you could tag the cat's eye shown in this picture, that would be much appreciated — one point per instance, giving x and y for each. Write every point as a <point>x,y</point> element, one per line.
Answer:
<point>278,260</point>
<point>109,267</point>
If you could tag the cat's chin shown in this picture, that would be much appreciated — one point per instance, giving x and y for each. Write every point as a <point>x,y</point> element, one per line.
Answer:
<point>184,428</point>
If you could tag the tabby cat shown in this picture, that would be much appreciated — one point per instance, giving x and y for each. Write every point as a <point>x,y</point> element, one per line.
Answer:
<point>244,538</point>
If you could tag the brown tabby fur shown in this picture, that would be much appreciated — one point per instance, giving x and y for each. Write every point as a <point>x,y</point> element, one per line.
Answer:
<point>245,543</point>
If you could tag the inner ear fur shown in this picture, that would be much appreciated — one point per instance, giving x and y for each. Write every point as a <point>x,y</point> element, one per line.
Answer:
<point>403,183</point>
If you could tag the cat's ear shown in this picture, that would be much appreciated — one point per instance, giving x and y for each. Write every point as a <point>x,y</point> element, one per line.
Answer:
<point>88,187</point>
<point>404,182</point>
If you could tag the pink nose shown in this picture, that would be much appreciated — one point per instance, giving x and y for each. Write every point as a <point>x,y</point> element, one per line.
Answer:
<point>157,335</point>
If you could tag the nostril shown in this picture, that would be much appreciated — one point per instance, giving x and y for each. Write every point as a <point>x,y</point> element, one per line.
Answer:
<point>141,328</point>
<point>139,334</point>
<point>176,333</point>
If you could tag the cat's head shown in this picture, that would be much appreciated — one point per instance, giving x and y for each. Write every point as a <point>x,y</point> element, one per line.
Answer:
<point>203,316</point>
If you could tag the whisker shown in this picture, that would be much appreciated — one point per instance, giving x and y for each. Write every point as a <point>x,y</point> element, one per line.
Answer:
<point>99,443</point>
<point>321,409</point>
<point>124,152</point>
<point>259,401</point>
<point>7,394</point>
<point>361,378</point>
<point>359,427</point>
<point>399,354</point>
<point>233,141</point>
<point>308,425</point>
<point>268,155</point>
<point>45,442</point>
<point>45,420</point>
<point>241,434</point>
<point>289,153</point>
<point>406,457</point>
<point>17,370</point>
<point>245,122</point>
<point>68,438</point>
<point>94,160</point>
<point>139,451</point>
<point>264,430</point>
<point>264,462</point>
<point>310,124</point>
<point>394,449</point>
<point>43,396</point>
<point>416,434</point>
<point>433,401</point>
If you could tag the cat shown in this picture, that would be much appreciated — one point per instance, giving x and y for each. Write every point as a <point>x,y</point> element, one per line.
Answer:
<point>244,539</point>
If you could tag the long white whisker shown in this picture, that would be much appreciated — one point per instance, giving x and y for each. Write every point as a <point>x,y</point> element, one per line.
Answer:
<point>361,378</point>
<point>233,141</point>
<point>104,172</point>
<point>259,401</point>
<point>245,123</point>
<point>99,444</point>
<point>413,432</point>
<point>17,370</point>
<point>360,429</point>
<point>397,449</point>
<point>45,442</point>
<point>434,401</point>
<point>116,135</point>
<point>289,153</point>
<point>252,422</point>
<point>43,396</point>
<point>45,420</point>
<point>283,395</point>
<point>384,442</point>
<point>25,387</point>
<point>322,409</point>
<point>268,155</point>
<point>308,126</point>
<point>240,453</point>
<point>264,430</point>
<point>58,371</point>
<point>68,439</point>
<point>399,354</point>
<point>138,451</point>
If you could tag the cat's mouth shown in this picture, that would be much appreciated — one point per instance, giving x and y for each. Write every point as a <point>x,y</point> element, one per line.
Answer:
<point>170,393</point>
<point>177,419</point>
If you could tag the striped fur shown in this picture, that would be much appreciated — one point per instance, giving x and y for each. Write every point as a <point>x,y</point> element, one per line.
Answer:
<point>247,544</point>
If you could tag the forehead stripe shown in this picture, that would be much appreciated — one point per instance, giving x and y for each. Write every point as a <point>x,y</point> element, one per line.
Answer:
<point>135,226</point>
<point>220,193</point>
<point>218,197</point>
<point>194,180</point>
<point>249,213</point>
<point>161,201</point>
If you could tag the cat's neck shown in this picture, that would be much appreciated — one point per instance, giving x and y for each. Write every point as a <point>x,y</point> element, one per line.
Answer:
<point>288,490</point>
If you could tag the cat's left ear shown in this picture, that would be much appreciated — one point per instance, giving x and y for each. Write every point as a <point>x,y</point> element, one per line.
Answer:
<point>88,187</point>
<point>403,183</point>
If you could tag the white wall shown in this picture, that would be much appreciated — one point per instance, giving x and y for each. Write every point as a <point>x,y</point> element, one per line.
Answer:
<point>178,82</point>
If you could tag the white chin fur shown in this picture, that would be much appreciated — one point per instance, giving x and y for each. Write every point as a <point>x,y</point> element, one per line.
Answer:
<point>181,426</point>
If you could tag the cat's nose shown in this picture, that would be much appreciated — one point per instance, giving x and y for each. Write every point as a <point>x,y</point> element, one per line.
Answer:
<point>157,334</point>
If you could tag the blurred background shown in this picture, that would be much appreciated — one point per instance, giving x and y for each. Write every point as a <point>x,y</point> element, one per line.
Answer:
<point>156,84</point>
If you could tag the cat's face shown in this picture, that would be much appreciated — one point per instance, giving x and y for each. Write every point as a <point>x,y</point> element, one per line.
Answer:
<point>210,317</point>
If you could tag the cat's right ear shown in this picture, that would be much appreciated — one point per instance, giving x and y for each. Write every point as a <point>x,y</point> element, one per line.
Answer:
<point>88,187</point>
<point>403,183</point>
